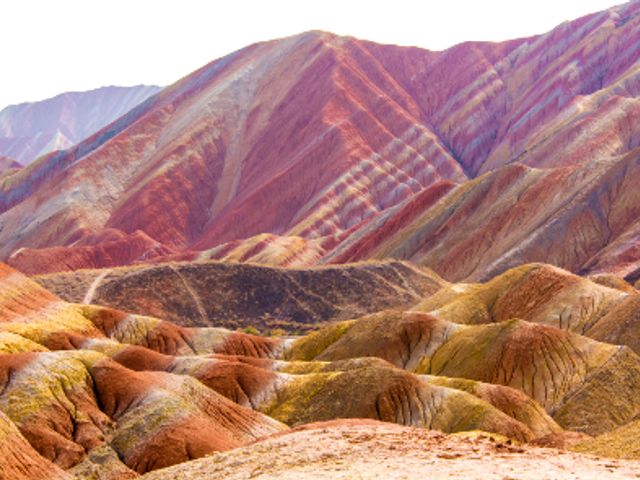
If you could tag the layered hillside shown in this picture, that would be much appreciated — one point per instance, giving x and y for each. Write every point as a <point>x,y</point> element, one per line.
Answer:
<point>585,385</point>
<point>29,130</point>
<point>545,295</point>
<point>103,393</point>
<point>19,460</point>
<point>580,217</point>
<point>325,149</point>
<point>98,390</point>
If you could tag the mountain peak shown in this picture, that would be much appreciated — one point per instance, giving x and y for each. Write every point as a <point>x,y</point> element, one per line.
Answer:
<point>356,152</point>
<point>31,129</point>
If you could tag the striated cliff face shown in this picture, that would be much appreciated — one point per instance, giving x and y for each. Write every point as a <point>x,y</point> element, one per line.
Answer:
<point>318,148</point>
<point>582,217</point>
<point>29,130</point>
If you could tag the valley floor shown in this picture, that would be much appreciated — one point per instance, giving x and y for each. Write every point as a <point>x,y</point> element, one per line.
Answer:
<point>365,449</point>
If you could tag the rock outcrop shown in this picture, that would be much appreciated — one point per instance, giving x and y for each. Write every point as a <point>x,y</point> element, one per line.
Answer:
<point>18,459</point>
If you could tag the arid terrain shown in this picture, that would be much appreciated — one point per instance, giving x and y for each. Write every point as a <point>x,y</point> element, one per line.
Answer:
<point>371,450</point>
<point>325,149</point>
<point>323,257</point>
<point>102,393</point>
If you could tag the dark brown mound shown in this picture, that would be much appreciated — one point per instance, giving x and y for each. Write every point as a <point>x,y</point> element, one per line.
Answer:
<point>238,295</point>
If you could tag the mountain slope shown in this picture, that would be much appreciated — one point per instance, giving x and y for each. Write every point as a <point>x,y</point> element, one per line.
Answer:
<point>29,130</point>
<point>191,164</point>
<point>352,131</point>
<point>7,163</point>
<point>580,217</point>
<point>318,148</point>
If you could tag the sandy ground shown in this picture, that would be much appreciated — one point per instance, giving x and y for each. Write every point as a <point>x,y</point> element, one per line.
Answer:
<point>372,450</point>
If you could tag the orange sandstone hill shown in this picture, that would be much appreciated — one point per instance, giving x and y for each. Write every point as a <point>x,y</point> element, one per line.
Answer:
<point>325,149</point>
<point>90,391</point>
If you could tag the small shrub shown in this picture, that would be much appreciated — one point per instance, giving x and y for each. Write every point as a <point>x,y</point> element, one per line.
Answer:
<point>278,332</point>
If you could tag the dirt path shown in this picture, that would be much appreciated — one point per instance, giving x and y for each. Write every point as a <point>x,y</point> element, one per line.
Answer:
<point>91,291</point>
<point>196,298</point>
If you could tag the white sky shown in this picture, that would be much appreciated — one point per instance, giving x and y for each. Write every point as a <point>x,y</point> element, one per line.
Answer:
<point>51,46</point>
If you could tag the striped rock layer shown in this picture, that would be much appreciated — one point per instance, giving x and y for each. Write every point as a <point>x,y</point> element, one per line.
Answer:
<point>325,149</point>
<point>97,391</point>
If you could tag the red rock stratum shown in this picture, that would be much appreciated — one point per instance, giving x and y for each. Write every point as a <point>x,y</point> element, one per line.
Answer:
<point>325,149</point>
